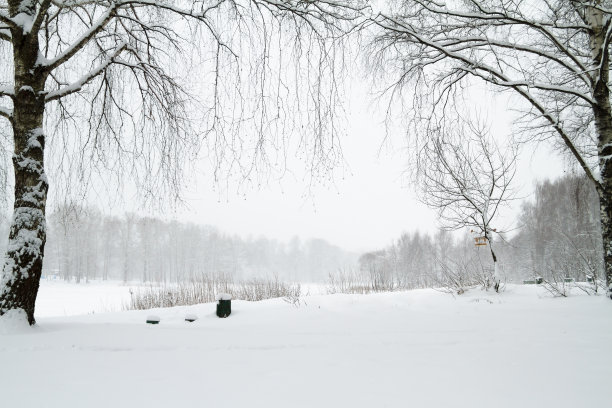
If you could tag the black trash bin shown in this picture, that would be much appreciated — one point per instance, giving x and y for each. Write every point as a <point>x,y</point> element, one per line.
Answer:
<point>224,305</point>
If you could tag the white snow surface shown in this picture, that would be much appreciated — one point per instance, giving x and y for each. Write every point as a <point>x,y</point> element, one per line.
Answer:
<point>191,316</point>
<point>420,348</point>
<point>59,298</point>
<point>14,321</point>
<point>224,296</point>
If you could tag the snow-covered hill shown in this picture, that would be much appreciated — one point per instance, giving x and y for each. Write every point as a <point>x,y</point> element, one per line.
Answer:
<point>413,349</point>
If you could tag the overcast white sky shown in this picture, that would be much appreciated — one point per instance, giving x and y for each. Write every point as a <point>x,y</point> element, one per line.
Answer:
<point>369,206</point>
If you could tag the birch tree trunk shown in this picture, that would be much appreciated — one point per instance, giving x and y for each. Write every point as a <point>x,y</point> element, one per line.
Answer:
<point>603,124</point>
<point>24,256</point>
<point>603,119</point>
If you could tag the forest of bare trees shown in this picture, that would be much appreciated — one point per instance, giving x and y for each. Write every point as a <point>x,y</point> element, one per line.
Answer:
<point>84,244</point>
<point>558,238</point>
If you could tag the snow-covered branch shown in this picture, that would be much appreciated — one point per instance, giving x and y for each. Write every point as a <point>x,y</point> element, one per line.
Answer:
<point>574,66</point>
<point>550,70</point>
<point>471,63</point>
<point>328,13</point>
<point>5,19</point>
<point>500,16</point>
<point>6,112</point>
<point>5,34</point>
<point>85,79</point>
<point>6,91</point>
<point>112,13</point>
<point>84,39</point>
<point>40,16</point>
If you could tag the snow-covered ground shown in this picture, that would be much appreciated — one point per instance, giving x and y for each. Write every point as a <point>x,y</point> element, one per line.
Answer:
<point>60,298</point>
<point>412,349</point>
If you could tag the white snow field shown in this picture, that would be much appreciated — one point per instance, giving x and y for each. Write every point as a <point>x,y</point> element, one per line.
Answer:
<point>421,348</point>
<point>60,298</point>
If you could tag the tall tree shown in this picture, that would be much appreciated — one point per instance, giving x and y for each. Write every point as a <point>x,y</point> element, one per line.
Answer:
<point>467,178</point>
<point>115,57</point>
<point>553,54</point>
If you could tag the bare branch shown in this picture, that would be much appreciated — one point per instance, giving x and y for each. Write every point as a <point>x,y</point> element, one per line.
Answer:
<point>465,176</point>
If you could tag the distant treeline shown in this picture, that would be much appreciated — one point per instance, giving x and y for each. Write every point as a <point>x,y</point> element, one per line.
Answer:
<point>558,236</point>
<point>85,244</point>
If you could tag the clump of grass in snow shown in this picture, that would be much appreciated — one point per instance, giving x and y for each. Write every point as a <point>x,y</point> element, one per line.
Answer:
<point>206,288</point>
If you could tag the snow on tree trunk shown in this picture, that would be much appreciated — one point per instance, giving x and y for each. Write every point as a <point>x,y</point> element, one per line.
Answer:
<point>603,124</point>
<point>24,255</point>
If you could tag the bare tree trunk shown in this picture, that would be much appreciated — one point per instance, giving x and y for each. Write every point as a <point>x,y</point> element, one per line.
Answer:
<point>24,255</point>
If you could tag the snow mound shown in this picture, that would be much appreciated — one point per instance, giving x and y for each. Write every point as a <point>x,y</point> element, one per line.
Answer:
<point>154,319</point>
<point>14,321</point>
<point>224,296</point>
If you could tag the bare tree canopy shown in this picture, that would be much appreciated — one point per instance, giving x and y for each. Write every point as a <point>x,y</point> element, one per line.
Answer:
<point>465,175</point>
<point>103,75</point>
<point>554,54</point>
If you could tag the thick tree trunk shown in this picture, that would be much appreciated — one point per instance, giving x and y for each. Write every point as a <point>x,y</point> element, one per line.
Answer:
<point>604,127</point>
<point>605,205</point>
<point>24,256</point>
<point>603,124</point>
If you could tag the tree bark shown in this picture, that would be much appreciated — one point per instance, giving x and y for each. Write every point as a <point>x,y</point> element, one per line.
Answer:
<point>24,256</point>
<point>603,125</point>
<point>496,279</point>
